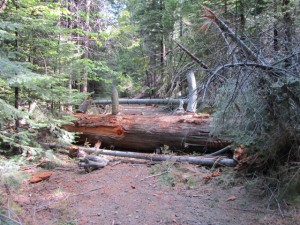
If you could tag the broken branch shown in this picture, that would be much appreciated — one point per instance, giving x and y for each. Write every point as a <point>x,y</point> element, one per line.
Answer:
<point>195,58</point>
<point>210,15</point>
<point>221,151</point>
<point>205,161</point>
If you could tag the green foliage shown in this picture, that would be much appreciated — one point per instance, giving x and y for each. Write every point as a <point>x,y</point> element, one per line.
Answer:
<point>164,171</point>
<point>10,175</point>
<point>71,222</point>
<point>36,56</point>
<point>261,119</point>
<point>8,112</point>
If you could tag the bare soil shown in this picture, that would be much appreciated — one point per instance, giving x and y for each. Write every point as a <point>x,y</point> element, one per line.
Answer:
<point>127,193</point>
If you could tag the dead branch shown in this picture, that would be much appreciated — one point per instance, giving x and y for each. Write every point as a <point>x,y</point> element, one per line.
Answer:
<point>195,58</point>
<point>221,151</point>
<point>6,218</point>
<point>155,175</point>
<point>87,192</point>
<point>205,161</point>
<point>210,15</point>
<point>261,62</point>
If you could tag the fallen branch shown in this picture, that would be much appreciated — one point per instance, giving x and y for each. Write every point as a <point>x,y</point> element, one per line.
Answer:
<point>6,218</point>
<point>221,151</point>
<point>87,192</point>
<point>205,161</point>
<point>155,175</point>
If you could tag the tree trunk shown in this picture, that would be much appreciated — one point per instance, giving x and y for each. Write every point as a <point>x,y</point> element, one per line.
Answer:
<point>86,46</point>
<point>17,106</point>
<point>32,106</point>
<point>70,79</point>
<point>288,22</point>
<point>146,133</point>
<point>83,108</point>
<point>192,105</point>
<point>115,101</point>
<point>69,107</point>
<point>17,89</point>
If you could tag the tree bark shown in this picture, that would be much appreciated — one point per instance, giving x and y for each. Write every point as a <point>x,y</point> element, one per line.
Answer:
<point>146,133</point>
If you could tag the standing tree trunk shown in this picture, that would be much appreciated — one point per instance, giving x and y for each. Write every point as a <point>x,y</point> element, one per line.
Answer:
<point>115,101</point>
<point>192,105</point>
<point>17,105</point>
<point>69,107</point>
<point>242,20</point>
<point>70,80</point>
<point>86,46</point>
<point>17,89</point>
<point>275,29</point>
<point>287,21</point>
<point>162,38</point>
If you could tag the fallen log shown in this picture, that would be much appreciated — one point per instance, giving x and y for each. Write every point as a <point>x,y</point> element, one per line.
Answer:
<point>142,101</point>
<point>147,132</point>
<point>204,161</point>
<point>201,160</point>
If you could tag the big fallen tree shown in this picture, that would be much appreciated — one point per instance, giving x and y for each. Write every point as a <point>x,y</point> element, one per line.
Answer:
<point>146,132</point>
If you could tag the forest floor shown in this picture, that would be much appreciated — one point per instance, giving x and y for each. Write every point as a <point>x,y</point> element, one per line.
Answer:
<point>138,193</point>
<point>134,192</point>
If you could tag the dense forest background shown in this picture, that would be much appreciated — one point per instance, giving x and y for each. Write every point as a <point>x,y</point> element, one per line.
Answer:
<point>245,55</point>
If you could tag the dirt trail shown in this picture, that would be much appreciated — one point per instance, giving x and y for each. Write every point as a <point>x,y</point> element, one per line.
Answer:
<point>125,194</point>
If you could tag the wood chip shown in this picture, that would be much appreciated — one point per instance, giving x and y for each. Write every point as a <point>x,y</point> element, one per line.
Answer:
<point>40,177</point>
<point>231,198</point>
